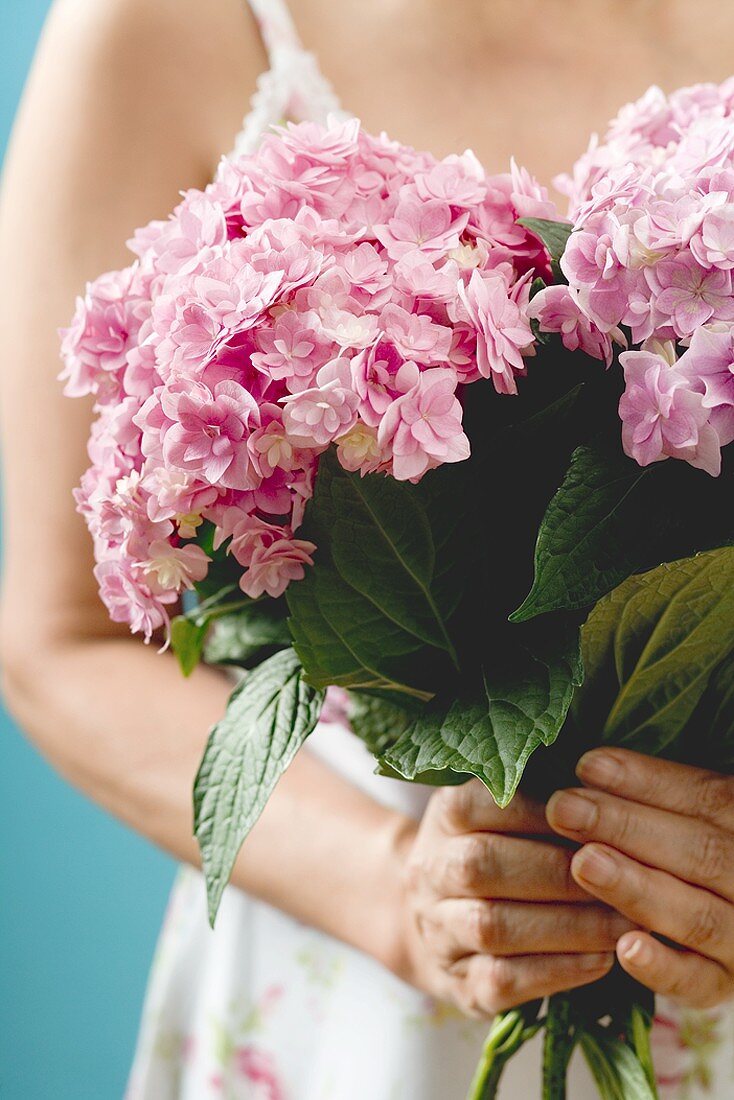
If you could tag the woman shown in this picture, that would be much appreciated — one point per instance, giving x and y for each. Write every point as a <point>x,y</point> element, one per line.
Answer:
<point>354,897</point>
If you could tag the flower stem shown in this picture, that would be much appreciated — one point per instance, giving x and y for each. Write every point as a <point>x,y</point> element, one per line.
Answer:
<point>507,1034</point>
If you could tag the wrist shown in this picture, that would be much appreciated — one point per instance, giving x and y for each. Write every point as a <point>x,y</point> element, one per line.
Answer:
<point>391,945</point>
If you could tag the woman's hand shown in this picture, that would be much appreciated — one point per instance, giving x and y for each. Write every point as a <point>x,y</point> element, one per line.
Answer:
<point>492,916</point>
<point>658,845</point>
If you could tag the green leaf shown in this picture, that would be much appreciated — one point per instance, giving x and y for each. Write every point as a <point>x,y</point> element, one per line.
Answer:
<point>640,1026</point>
<point>651,648</point>
<point>611,518</point>
<point>268,717</point>
<point>379,718</point>
<point>383,586</point>
<point>708,740</point>
<point>615,1067</point>
<point>518,701</point>
<point>248,635</point>
<point>187,642</point>
<point>554,235</point>
<point>189,631</point>
<point>600,526</point>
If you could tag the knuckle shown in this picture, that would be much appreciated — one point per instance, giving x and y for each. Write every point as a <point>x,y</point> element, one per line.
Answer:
<point>715,795</point>
<point>467,863</point>
<point>704,927</point>
<point>468,989</point>
<point>714,857</point>
<point>487,926</point>
<point>455,804</point>
<point>619,824</point>
<point>680,988</point>
<point>502,982</point>
<point>472,1003</point>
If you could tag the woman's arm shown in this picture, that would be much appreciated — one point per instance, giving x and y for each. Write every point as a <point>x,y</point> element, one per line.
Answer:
<point>658,845</point>
<point>128,102</point>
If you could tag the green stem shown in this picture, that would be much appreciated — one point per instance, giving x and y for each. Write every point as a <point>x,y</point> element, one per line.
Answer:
<point>560,1038</point>
<point>507,1034</point>
<point>506,1029</point>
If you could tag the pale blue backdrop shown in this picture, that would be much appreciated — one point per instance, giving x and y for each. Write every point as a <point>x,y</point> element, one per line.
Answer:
<point>80,897</point>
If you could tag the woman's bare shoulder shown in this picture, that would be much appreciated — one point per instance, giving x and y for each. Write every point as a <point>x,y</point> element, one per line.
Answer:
<point>182,67</point>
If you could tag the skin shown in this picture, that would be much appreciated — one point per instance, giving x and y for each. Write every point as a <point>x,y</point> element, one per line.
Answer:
<point>657,843</point>
<point>128,103</point>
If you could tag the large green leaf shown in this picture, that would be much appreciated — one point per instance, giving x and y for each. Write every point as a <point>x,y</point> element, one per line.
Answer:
<point>518,701</point>
<point>384,584</point>
<point>268,717</point>
<point>380,718</point>
<point>600,526</point>
<point>611,518</point>
<point>708,741</point>
<point>652,646</point>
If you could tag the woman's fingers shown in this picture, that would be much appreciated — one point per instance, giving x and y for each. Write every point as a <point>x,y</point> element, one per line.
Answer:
<point>492,865</point>
<point>467,926</point>
<point>697,851</point>
<point>679,975</point>
<point>692,917</point>
<point>679,788</point>
<point>483,985</point>
<point>470,807</point>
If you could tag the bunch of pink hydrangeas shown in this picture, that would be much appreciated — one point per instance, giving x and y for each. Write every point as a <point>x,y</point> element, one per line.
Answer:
<point>651,259</point>
<point>334,288</point>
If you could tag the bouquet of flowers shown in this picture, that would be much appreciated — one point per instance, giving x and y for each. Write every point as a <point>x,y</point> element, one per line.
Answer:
<point>342,393</point>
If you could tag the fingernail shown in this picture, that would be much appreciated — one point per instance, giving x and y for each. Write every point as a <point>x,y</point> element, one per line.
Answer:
<point>595,962</point>
<point>595,866</point>
<point>599,768</point>
<point>574,812</point>
<point>638,952</point>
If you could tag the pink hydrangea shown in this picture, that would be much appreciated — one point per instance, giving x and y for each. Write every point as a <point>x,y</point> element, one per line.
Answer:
<point>652,253</point>
<point>316,416</point>
<point>708,365</point>
<point>333,289</point>
<point>96,345</point>
<point>422,428</point>
<point>502,326</point>
<point>662,416</point>
<point>207,433</point>
<point>690,295</point>
<point>556,309</point>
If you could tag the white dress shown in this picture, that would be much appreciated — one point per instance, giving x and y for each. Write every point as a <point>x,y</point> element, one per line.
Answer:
<point>265,1008</point>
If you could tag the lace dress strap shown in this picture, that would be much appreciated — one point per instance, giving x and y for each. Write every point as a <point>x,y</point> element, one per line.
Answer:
<point>293,88</point>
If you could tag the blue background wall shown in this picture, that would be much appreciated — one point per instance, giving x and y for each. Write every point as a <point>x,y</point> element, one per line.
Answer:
<point>80,897</point>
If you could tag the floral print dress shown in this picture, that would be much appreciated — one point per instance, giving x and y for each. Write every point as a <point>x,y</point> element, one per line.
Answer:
<point>265,1008</point>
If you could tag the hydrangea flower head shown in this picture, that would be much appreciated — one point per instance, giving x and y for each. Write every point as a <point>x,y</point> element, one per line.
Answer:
<point>650,261</point>
<point>332,289</point>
